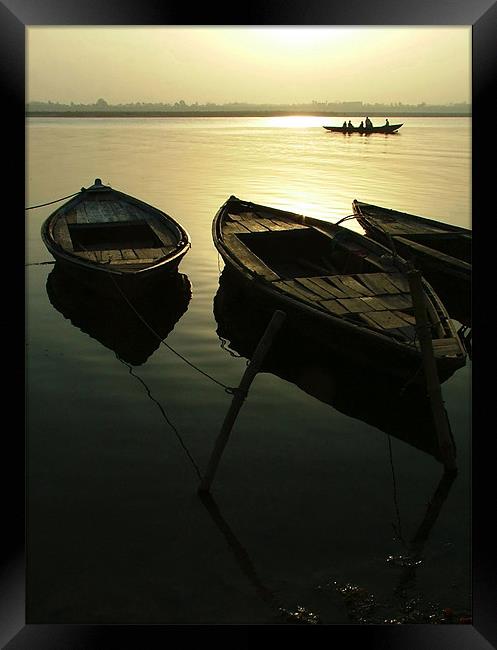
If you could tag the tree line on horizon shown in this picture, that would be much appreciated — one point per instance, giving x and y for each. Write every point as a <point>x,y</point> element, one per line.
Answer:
<point>101,105</point>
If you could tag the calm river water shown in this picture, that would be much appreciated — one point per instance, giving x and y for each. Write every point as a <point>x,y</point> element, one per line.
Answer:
<point>327,503</point>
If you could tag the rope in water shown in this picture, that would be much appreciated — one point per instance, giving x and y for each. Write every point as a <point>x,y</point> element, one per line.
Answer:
<point>164,415</point>
<point>228,389</point>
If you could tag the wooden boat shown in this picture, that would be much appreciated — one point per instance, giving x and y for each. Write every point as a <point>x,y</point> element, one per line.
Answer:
<point>391,128</point>
<point>440,250</point>
<point>102,232</point>
<point>340,285</point>
<point>112,321</point>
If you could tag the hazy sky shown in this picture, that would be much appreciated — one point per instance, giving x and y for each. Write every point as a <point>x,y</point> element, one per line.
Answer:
<point>249,64</point>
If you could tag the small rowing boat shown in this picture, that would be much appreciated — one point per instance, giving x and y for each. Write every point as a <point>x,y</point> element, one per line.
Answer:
<point>102,232</point>
<point>440,250</point>
<point>343,287</point>
<point>391,128</point>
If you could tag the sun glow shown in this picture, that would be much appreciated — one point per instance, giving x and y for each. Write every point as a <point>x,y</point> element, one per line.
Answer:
<point>254,64</point>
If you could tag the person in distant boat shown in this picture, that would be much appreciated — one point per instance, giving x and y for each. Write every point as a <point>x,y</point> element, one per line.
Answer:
<point>369,124</point>
<point>387,123</point>
<point>344,125</point>
<point>361,125</point>
<point>350,125</point>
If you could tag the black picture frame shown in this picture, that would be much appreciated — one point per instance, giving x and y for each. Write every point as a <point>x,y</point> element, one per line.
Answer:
<point>15,17</point>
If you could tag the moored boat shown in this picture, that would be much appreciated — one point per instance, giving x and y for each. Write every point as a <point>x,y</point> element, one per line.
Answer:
<point>102,232</point>
<point>391,128</point>
<point>440,250</point>
<point>342,286</point>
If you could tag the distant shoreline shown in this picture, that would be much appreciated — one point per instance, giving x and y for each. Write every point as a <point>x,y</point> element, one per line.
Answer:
<point>231,114</point>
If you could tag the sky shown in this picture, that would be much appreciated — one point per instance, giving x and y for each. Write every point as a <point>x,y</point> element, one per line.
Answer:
<point>285,65</point>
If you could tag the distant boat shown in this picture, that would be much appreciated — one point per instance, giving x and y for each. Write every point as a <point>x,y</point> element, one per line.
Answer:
<point>440,250</point>
<point>391,128</point>
<point>336,283</point>
<point>102,232</point>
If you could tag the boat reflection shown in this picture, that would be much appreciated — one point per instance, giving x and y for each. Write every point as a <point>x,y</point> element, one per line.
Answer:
<point>132,327</point>
<point>398,408</point>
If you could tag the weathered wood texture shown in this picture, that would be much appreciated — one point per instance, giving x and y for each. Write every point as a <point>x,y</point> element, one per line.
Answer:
<point>374,298</point>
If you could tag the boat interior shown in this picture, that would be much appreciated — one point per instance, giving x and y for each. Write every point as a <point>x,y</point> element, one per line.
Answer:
<point>331,270</point>
<point>112,236</point>
<point>298,252</point>
<point>104,228</point>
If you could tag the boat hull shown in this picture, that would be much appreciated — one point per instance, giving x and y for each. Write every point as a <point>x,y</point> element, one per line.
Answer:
<point>105,281</point>
<point>392,128</point>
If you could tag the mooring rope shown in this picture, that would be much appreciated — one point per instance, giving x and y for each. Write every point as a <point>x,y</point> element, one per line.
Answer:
<point>41,205</point>
<point>164,414</point>
<point>349,216</point>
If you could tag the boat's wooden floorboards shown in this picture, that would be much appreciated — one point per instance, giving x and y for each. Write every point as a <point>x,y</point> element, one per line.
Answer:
<point>381,300</point>
<point>126,255</point>
<point>254,222</point>
<point>401,223</point>
<point>447,346</point>
<point>100,212</point>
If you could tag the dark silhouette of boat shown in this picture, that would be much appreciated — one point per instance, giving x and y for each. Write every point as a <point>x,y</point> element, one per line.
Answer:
<point>391,128</point>
<point>133,329</point>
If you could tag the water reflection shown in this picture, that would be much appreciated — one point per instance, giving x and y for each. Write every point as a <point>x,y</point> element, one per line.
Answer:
<point>398,408</point>
<point>297,614</point>
<point>405,604</point>
<point>414,555</point>
<point>132,328</point>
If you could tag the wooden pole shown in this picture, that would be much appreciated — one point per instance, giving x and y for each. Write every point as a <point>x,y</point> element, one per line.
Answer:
<point>240,396</point>
<point>430,368</point>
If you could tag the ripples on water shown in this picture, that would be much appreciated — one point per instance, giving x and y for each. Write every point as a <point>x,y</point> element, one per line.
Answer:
<point>309,494</point>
